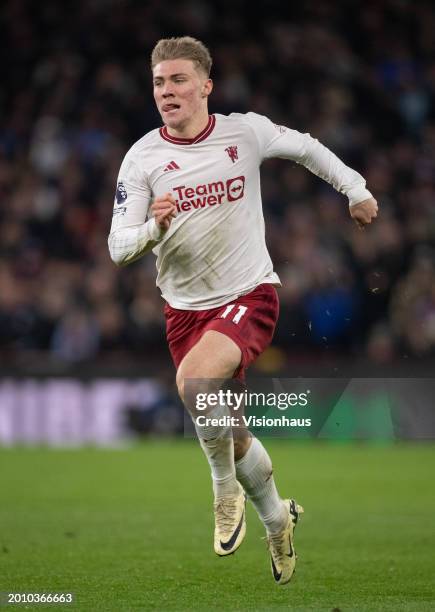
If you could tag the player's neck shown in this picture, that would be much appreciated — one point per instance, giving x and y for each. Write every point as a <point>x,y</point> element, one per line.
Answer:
<point>191,129</point>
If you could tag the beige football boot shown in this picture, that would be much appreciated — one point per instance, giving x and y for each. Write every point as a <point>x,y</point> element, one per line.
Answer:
<point>281,547</point>
<point>230,523</point>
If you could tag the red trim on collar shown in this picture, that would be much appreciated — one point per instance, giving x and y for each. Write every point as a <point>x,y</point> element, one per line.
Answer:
<point>189,141</point>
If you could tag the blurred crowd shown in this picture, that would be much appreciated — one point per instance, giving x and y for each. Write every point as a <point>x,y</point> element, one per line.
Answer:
<point>359,76</point>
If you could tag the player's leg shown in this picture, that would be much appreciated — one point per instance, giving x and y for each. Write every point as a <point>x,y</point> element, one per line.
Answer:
<point>254,330</point>
<point>216,356</point>
<point>255,473</point>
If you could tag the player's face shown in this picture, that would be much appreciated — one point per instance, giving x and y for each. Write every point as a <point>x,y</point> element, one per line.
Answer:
<point>180,91</point>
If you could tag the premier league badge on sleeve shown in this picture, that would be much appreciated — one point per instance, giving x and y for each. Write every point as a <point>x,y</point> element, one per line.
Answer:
<point>121,193</point>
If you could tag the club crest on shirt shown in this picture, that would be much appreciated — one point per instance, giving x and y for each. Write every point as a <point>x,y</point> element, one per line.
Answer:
<point>121,193</point>
<point>233,153</point>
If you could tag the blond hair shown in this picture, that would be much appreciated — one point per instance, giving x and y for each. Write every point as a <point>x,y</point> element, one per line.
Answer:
<point>184,47</point>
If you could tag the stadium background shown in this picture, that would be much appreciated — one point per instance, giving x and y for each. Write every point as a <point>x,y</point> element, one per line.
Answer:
<point>82,352</point>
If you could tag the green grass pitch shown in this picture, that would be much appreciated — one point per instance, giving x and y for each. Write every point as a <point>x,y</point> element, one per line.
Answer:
<point>132,529</point>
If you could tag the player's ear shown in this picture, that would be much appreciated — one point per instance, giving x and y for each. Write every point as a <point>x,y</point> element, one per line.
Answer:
<point>207,88</point>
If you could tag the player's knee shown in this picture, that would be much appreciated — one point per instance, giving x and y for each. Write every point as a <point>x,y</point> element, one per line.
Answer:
<point>241,445</point>
<point>184,373</point>
<point>180,384</point>
<point>193,367</point>
<point>193,382</point>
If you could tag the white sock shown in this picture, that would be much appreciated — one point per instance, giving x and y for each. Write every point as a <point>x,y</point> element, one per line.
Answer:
<point>218,446</point>
<point>254,472</point>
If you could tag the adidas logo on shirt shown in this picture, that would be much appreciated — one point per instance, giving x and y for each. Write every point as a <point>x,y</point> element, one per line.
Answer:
<point>171,166</point>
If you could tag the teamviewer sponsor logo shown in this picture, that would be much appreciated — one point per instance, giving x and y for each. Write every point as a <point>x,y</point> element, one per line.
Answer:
<point>209,194</point>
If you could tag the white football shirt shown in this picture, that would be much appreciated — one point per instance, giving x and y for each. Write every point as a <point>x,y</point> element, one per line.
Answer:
<point>215,249</point>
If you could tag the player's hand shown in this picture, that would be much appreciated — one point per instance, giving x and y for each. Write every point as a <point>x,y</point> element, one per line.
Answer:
<point>363,212</point>
<point>164,210</point>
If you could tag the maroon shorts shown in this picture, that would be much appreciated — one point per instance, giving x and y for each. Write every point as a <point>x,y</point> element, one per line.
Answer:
<point>248,320</point>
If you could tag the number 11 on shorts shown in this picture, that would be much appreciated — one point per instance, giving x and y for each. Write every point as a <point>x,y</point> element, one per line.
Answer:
<point>239,314</point>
